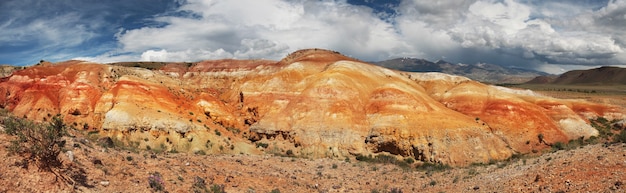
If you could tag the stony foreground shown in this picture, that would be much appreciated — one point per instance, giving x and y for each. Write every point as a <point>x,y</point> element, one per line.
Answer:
<point>591,168</point>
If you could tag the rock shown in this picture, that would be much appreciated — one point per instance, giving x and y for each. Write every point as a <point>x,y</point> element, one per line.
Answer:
<point>83,141</point>
<point>104,183</point>
<point>70,155</point>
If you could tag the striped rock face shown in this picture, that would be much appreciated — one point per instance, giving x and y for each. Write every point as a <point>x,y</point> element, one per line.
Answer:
<point>314,103</point>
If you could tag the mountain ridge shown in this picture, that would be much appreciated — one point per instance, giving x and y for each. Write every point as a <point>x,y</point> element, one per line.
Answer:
<point>601,75</point>
<point>482,72</point>
<point>605,75</point>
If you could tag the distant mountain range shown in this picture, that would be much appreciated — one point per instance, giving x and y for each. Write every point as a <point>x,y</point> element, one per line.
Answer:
<point>606,75</point>
<point>490,73</point>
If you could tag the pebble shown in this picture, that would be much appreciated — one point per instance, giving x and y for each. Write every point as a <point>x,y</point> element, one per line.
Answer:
<point>104,183</point>
<point>70,155</point>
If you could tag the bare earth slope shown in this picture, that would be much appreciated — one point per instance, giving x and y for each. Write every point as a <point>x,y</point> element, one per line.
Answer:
<point>313,104</point>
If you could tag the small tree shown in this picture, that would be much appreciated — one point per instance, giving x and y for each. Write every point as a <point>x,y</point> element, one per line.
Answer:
<point>42,143</point>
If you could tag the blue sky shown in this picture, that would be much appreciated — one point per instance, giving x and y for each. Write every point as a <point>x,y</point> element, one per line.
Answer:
<point>550,36</point>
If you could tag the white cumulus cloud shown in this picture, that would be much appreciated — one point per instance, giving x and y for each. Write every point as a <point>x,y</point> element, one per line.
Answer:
<point>507,32</point>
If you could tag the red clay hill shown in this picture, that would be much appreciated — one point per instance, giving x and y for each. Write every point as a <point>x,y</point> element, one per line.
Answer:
<point>314,103</point>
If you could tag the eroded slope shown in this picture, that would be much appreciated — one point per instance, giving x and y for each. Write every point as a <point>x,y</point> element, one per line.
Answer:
<point>313,103</point>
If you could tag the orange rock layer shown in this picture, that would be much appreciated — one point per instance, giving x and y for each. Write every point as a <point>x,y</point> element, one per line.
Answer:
<point>316,103</point>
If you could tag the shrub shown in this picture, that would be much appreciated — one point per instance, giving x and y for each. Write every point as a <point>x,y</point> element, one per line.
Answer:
<point>429,167</point>
<point>621,137</point>
<point>385,159</point>
<point>409,160</point>
<point>603,126</point>
<point>558,146</point>
<point>263,145</point>
<point>472,172</point>
<point>233,130</point>
<point>289,153</point>
<point>364,158</point>
<point>199,185</point>
<point>200,152</point>
<point>155,181</point>
<point>217,188</point>
<point>41,142</point>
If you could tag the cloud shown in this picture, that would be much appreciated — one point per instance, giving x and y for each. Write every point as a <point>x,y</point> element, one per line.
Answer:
<point>521,33</point>
<point>508,25</point>
<point>42,37</point>
<point>265,29</point>
<point>60,30</point>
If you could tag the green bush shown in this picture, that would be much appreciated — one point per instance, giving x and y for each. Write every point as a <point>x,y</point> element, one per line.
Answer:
<point>429,167</point>
<point>42,143</point>
<point>558,146</point>
<point>621,137</point>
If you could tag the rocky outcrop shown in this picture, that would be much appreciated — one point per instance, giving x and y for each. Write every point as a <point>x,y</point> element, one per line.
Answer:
<point>314,103</point>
